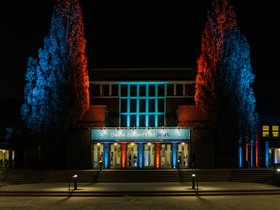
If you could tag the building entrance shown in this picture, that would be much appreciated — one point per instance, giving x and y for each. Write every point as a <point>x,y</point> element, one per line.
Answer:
<point>115,155</point>
<point>132,155</point>
<point>149,155</point>
<point>140,155</point>
<point>183,155</point>
<point>165,155</point>
<point>97,154</point>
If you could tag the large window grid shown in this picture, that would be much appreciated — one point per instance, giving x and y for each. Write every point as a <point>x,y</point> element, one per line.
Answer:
<point>142,104</point>
<point>170,89</point>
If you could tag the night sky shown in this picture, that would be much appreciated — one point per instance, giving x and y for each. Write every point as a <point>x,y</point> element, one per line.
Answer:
<point>141,34</point>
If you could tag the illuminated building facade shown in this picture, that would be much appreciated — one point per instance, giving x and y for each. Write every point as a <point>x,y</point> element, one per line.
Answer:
<point>270,140</point>
<point>137,117</point>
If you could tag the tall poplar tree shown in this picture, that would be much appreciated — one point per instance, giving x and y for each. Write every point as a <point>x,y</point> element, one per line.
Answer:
<point>220,18</point>
<point>56,91</point>
<point>223,83</point>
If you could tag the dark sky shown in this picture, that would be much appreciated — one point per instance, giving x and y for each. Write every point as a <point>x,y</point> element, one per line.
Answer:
<point>140,34</point>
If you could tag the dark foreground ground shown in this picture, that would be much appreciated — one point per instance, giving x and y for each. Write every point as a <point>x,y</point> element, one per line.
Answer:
<point>141,196</point>
<point>244,202</point>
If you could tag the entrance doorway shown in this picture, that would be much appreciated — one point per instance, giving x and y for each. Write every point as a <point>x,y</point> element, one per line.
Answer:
<point>115,155</point>
<point>165,155</point>
<point>149,155</point>
<point>97,154</point>
<point>132,155</point>
<point>183,155</point>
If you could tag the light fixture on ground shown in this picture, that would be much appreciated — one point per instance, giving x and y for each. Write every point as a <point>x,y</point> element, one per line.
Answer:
<point>193,181</point>
<point>75,177</point>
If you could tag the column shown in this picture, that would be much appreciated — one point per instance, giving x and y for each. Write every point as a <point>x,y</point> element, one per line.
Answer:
<point>106,155</point>
<point>257,151</point>
<point>140,154</point>
<point>123,155</point>
<point>174,155</point>
<point>240,156</point>
<point>266,152</point>
<point>157,145</point>
<point>252,152</point>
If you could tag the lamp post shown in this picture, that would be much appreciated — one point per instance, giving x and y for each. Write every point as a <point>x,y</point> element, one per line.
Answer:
<point>193,181</point>
<point>75,177</point>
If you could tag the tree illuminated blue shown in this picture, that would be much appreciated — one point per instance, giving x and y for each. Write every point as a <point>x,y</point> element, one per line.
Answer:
<point>238,79</point>
<point>56,91</point>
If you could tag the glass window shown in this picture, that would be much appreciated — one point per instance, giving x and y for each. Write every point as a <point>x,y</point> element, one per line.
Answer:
<point>161,120</point>
<point>152,120</point>
<point>132,120</point>
<point>170,89</point>
<point>139,108</point>
<point>142,90</point>
<point>142,107</point>
<point>275,131</point>
<point>142,120</point>
<point>152,90</point>
<point>123,120</point>
<point>115,90</point>
<point>161,90</point>
<point>179,89</point>
<point>277,155</point>
<point>151,105</point>
<point>124,90</point>
<point>160,105</point>
<point>133,105</point>
<point>105,90</point>
<point>133,90</point>
<point>95,90</point>
<point>124,105</point>
<point>265,131</point>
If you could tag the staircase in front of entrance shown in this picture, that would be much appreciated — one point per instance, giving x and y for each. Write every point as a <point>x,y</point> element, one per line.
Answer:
<point>12,176</point>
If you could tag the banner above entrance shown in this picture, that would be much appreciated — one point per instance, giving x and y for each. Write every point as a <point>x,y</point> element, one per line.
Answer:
<point>140,134</point>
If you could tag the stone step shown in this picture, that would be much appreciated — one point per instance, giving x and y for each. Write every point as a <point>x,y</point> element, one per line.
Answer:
<point>12,176</point>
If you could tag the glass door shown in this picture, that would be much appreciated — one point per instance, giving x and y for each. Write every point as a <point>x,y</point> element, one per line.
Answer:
<point>183,155</point>
<point>132,155</point>
<point>97,154</point>
<point>149,155</point>
<point>165,155</point>
<point>115,155</point>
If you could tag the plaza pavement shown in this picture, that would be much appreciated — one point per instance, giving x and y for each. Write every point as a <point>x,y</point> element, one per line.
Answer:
<point>140,189</point>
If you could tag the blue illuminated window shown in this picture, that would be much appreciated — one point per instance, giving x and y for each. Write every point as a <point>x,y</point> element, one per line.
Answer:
<point>142,104</point>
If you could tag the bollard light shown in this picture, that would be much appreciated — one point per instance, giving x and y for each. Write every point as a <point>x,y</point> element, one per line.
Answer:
<point>75,177</point>
<point>193,181</point>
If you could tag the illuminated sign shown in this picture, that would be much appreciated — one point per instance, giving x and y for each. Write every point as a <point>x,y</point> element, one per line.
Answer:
<point>140,134</point>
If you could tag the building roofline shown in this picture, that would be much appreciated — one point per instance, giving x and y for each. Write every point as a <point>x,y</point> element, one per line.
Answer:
<point>139,69</point>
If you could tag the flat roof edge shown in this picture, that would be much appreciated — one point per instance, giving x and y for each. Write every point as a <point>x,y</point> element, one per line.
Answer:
<point>139,69</point>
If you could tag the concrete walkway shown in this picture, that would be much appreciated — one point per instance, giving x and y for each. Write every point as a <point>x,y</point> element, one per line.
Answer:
<point>138,189</point>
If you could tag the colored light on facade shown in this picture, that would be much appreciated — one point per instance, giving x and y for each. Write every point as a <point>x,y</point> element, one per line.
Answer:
<point>157,155</point>
<point>123,155</point>
<point>246,154</point>
<point>266,153</point>
<point>106,155</point>
<point>240,157</point>
<point>140,134</point>
<point>174,155</point>
<point>140,154</point>
<point>257,149</point>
